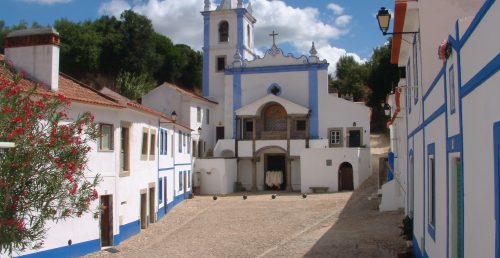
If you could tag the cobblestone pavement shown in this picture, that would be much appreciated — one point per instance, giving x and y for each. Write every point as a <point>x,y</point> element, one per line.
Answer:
<point>322,225</point>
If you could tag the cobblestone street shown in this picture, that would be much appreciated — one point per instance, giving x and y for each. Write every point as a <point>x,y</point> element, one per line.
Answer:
<point>322,225</point>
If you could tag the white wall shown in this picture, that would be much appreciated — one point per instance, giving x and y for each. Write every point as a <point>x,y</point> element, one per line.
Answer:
<point>217,176</point>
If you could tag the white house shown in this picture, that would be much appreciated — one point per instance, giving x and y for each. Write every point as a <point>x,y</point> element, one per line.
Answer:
<point>450,152</point>
<point>276,126</point>
<point>142,155</point>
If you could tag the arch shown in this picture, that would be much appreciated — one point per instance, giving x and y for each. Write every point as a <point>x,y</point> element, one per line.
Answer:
<point>275,117</point>
<point>227,153</point>
<point>278,149</point>
<point>223,31</point>
<point>345,177</point>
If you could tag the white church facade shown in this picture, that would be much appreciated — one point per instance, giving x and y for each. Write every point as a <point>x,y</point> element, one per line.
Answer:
<point>276,126</point>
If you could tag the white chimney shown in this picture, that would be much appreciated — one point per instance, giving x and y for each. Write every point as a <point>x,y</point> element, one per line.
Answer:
<point>36,53</point>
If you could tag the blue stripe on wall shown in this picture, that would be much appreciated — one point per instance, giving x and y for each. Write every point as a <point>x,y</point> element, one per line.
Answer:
<point>236,99</point>
<point>239,26</point>
<point>206,56</point>
<point>276,69</point>
<point>75,250</point>
<point>313,104</point>
<point>484,74</point>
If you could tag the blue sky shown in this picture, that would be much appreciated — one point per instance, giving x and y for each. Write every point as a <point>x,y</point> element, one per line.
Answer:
<point>338,27</point>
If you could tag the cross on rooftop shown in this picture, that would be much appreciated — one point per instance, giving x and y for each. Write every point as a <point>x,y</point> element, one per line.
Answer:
<point>273,35</point>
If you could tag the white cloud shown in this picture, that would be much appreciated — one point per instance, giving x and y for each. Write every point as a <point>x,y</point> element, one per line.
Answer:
<point>337,9</point>
<point>343,20</point>
<point>333,54</point>
<point>49,2</point>
<point>182,22</point>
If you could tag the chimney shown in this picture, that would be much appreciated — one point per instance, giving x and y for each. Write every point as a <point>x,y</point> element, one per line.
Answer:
<point>36,52</point>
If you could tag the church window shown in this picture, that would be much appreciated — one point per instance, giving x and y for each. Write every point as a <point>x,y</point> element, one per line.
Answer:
<point>221,63</point>
<point>335,137</point>
<point>248,36</point>
<point>274,89</point>
<point>301,125</point>
<point>249,126</point>
<point>224,31</point>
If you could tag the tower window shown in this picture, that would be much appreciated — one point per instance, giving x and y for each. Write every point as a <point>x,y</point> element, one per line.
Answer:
<point>221,63</point>
<point>248,36</point>
<point>224,31</point>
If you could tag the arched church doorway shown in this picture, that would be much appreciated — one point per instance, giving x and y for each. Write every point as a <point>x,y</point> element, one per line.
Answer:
<point>346,181</point>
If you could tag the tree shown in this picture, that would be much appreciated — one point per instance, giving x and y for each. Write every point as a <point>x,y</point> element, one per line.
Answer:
<point>43,178</point>
<point>350,78</point>
<point>134,86</point>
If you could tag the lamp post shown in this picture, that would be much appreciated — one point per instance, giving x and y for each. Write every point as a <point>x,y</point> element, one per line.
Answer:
<point>384,20</point>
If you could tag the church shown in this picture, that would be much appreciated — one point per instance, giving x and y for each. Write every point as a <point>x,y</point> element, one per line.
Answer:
<point>276,126</point>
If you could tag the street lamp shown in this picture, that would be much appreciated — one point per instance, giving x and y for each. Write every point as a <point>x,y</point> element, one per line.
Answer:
<point>174,116</point>
<point>387,109</point>
<point>384,19</point>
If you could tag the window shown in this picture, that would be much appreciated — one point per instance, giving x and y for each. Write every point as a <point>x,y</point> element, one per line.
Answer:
<point>163,142</point>
<point>451,85</point>
<point>188,143</point>
<point>335,137</point>
<point>408,84</point>
<point>416,44</point>
<point>160,190</point>
<point>431,190</point>
<point>124,149</point>
<point>221,63</point>
<point>180,141</point>
<point>152,145</point>
<point>180,181</point>
<point>249,126</point>
<point>223,31</point>
<point>189,179</point>
<point>207,116</point>
<point>198,114</point>
<point>105,137</point>
<point>300,125</point>
<point>144,149</point>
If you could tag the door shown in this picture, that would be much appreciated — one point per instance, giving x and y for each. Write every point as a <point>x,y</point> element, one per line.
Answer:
<point>275,163</point>
<point>106,220</point>
<point>346,181</point>
<point>184,186</point>
<point>165,202</point>
<point>354,138</point>
<point>456,202</point>
<point>219,133</point>
<point>152,212</point>
<point>144,210</point>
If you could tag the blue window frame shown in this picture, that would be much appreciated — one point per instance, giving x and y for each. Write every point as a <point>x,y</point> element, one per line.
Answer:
<point>163,142</point>
<point>431,189</point>
<point>160,190</point>
<point>408,84</point>
<point>451,86</point>
<point>180,141</point>
<point>416,44</point>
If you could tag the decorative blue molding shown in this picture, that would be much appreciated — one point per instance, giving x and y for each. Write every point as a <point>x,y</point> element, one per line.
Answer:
<point>239,25</point>
<point>454,143</point>
<point>74,250</point>
<point>416,249</point>
<point>313,104</point>
<point>433,84</point>
<point>431,229</point>
<point>236,99</point>
<point>475,22</point>
<point>496,183</point>
<point>276,69</point>
<point>484,74</point>
<point>206,56</point>
<point>429,120</point>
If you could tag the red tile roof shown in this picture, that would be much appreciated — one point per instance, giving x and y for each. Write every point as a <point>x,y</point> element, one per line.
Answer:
<point>187,92</point>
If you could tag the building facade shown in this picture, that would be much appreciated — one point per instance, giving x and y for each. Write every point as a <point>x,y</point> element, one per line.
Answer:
<point>450,151</point>
<point>143,156</point>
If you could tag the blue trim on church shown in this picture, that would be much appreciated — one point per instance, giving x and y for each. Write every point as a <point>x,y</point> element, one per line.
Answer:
<point>239,24</point>
<point>206,56</point>
<point>313,103</point>
<point>277,69</point>
<point>236,99</point>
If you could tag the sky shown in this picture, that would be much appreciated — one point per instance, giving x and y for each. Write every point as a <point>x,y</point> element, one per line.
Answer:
<point>338,27</point>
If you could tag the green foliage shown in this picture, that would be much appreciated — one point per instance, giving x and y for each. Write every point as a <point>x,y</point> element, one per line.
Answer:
<point>43,178</point>
<point>350,78</point>
<point>108,47</point>
<point>134,86</point>
<point>407,228</point>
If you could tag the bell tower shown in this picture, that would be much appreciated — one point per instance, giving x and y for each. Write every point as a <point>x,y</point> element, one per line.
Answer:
<point>228,29</point>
